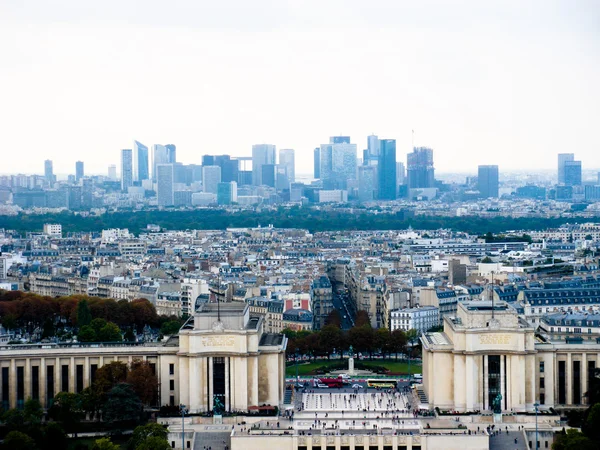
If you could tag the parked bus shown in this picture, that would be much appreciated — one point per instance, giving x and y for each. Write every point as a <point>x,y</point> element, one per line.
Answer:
<point>329,382</point>
<point>382,383</point>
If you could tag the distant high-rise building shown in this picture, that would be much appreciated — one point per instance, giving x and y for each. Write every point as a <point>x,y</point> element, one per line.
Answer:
<point>400,173</point>
<point>140,162</point>
<point>420,171</point>
<point>261,154</point>
<point>211,177</point>
<point>78,170</point>
<point>287,159</point>
<point>487,181</point>
<point>87,193</point>
<point>372,146</point>
<point>367,182</point>
<point>337,162</point>
<point>159,156</point>
<point>282,181</point>
<point>562,159</point>
<point>386,169</point>
<point>165,176</point>
<point>244,170</point>
<point>317,163</point>
<point>227,193</point>
<point>572,171</point>
<point>268,175</point>
<point>171,153</point>
<point>598,177</point>
<point>229,166</point>
<point>126,168</point>
<point>112,172</point>
<point>48,171</point>
<point>339,140</point>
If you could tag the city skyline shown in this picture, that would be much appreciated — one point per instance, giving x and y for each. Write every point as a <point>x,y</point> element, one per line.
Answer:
<point>471,79</point>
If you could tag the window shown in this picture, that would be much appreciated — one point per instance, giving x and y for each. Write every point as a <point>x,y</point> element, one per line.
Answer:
<point>171,369</point>
<point>172,385</point>
<point>542,383</point>
<point>541,366</point>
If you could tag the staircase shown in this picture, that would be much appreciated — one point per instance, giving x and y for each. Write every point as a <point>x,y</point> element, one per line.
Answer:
<point>506,441</point>
<point>421,396</point>
<point>287,397</point>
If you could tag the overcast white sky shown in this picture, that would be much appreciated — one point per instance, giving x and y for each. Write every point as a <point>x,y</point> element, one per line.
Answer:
<point>481,82</point>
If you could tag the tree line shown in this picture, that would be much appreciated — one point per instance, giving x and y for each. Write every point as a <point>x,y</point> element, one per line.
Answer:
<point>114,402</point>
<point>283,217</point>
<point>97,319</point>
<point>362,337</point>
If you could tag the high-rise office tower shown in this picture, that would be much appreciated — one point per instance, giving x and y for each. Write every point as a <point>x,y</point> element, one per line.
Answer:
<point>487,181</point>
<point>372,146</point>
<point>420,169</point>
<point>140,162</point>
<point>78,170</point>
<point>126,168</point>
<point>229,166</point>
<point>268,175</point>
<point>171,153</point>
<point>400,173</point>
<point>159,156</point>
<point>211,177</point>
<point>562,159</point>
<point>112,172</point>
<point>367,182</point>
<point>261,154</point>
<point>572,171</point>
<point>87,193</point>
<point>317,163</point>
<point>386,169</point>
<point>227,193</point>
<point>48,171</point>
<point>287,159</point>
<point>244,164</point>
<point>338,162</point>
<point>282,181</point>
<point>165,176</point>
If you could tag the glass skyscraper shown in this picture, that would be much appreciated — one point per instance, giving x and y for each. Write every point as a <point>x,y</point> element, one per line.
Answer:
<point>487,181</point>
<point>386,169</point>
<point>141,170</point>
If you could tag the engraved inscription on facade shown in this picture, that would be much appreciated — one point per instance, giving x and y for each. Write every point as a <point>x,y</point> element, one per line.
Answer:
<point>494,339</point>
<point>218,341</point>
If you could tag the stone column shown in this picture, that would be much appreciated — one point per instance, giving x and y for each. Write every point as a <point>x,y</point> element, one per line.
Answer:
<point>584,378</point>
<point>569,379</point>
<point>210,383</point>
<point>72,387</point>
<point>42,382</point>
<point>57,375</point>
<point>12,383</point>
<point>502,378</point>
<point>508,369</point>
<point>462,394</point>
<point>27,379</point>
<point>86,372</point>
<point>227,400</point>
<point>486,405</point>
<point>530,377</point>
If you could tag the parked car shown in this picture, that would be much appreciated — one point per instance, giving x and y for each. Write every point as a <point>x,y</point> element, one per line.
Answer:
<point>357,386</point>
<point>322,385</point>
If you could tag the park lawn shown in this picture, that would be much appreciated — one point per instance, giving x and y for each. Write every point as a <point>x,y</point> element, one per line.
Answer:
<point>395,367</point>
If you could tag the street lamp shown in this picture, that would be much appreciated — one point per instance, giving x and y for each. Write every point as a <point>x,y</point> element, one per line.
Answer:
<point>297,355</point>
<point>183,411</point>
<point>536,405</point>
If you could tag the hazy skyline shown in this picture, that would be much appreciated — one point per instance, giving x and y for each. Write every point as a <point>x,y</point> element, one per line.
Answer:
<point>510,83</point>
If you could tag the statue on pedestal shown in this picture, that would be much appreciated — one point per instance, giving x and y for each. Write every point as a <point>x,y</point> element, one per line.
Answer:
<point>497,404</point>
